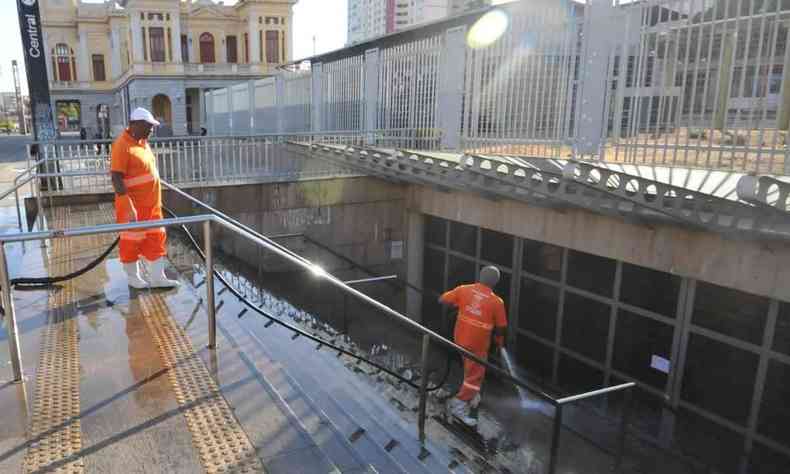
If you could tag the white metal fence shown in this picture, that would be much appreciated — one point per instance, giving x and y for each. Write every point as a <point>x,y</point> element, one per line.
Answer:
<point>194,161</point>
<point>695,83</point>
<point>700,83</point>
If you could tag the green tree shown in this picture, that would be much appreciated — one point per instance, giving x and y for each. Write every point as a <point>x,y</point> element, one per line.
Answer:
<point>7,125</point>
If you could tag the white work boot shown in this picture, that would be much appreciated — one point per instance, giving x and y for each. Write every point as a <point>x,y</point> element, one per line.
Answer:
<point>468,420</point>
<point>475,401</point>
<point>460,410</point>
<point>157,277</point>
<point>133,275</point>
<point>457,408</point>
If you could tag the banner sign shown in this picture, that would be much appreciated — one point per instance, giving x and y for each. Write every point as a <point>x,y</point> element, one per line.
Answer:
<point>36,68</point>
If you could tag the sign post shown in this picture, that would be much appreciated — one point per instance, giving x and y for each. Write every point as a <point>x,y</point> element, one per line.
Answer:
<point>37,83</point>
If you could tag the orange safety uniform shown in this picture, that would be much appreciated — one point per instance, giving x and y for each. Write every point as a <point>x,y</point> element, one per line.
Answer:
<point>479,311</point>
<point>137,162</point>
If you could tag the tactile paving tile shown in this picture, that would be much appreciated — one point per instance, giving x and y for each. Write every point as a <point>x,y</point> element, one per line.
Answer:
<point>55,432</point>
<point>216,434</point>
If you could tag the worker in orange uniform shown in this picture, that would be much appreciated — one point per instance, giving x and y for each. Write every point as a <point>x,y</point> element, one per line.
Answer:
<point>138,197</point>
<point>481,313</point>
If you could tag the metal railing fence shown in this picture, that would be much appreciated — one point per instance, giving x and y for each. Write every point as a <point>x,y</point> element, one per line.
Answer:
<point>215,160</point>
<point>191,160</point>
<point>692,83</point>
<point>237,228</point>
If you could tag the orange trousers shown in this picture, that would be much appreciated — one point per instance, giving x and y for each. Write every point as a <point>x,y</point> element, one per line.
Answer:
<point>474,374</point>
<point>150,243</point>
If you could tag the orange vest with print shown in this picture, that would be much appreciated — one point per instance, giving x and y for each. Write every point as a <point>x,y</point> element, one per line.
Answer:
<point>479,311</point>
<point>137,162</point>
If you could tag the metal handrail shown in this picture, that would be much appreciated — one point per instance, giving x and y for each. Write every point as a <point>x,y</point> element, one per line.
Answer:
<point>154,140</point>
<point>231,224</point>
<point>300,261</point>
<point>89,141</point>
<point>245,231</point>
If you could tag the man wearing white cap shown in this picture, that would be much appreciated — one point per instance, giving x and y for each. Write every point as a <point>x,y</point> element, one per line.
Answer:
<point>138,197</point>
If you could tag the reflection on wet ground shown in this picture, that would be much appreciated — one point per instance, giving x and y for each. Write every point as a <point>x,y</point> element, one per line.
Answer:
<point>296,405</point>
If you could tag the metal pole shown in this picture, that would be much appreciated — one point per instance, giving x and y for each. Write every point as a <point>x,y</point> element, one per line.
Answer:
<point>40,206</point>
<point>18,211</point>
<point>555,439</point>
<point>629,395</point>
<point>426,341</point>
<point>212,316</point>
<point>345,314</point>
<point>8,306</point>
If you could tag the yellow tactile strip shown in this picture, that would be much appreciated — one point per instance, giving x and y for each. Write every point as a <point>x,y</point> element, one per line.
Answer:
<point>216,433</point>
<point>55,432</point>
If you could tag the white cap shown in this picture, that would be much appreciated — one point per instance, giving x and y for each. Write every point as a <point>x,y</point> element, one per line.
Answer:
<point>142,114</point>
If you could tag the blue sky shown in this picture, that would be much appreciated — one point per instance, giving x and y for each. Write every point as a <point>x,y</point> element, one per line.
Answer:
<point>326,19</point>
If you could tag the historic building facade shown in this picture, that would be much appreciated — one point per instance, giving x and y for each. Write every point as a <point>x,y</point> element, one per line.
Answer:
<point>107,58</point>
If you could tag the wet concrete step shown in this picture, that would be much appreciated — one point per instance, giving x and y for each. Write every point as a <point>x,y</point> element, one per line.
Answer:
<point>349,387</point>
<point>370,443</point>
<point>352,398</point>
<point>288,433</point>
<point>312,421</point>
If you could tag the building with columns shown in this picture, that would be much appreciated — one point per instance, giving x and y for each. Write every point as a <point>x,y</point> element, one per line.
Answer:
<point>108,58</point>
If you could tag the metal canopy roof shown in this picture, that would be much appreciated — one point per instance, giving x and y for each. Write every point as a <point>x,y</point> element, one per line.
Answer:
<point>716,201</point>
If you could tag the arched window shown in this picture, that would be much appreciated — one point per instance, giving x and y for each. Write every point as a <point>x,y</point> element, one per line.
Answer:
<point>63,67</point>
<point>206,48</point>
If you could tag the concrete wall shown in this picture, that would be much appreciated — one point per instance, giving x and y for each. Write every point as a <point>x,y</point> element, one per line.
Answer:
<point>358,217</point>
<point>758,267</point>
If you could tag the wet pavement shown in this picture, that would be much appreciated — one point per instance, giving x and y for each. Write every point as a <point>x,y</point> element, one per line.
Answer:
<point>150,396</point>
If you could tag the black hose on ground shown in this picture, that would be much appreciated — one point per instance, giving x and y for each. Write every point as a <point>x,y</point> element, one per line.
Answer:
<point>40,283</point>
<point>36,283</point>
<point>297,330</point>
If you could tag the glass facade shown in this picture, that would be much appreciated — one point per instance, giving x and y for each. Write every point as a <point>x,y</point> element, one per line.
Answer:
<point>711,368</point>
<point>538,308</point>
<point>636,341</point>
<point>730,312</point>
<point>585,326</point>
<point>712,364</point>
<point>591,273</point>
<point>650,289</point>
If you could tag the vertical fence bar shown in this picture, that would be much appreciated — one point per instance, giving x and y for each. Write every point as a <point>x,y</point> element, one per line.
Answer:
<point>426,341</point>
<point>8,306</point>
<point>212,316</point>
<point>555,439</point>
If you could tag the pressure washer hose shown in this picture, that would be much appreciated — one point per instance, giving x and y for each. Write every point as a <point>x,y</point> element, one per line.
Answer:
<point>321,342</point>
<point>39,283</point>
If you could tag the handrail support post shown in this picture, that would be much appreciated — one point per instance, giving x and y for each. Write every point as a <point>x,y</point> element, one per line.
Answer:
<point>10,314</point>
<point>212,316</point>
<point>426,341</point>
<point>627,406</point>
<point>40,206</point>
<point>555,438</point>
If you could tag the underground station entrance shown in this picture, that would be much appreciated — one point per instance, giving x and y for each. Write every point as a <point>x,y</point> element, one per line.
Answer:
<point>306,334</point>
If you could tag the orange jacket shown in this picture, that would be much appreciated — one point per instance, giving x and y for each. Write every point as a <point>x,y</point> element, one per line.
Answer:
<point>479,312</point>
<point>135,160</point>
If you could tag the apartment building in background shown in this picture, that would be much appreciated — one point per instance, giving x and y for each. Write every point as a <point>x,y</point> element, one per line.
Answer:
<point>108,58</point>
<point>372,18</point>
<point>459,6</point>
